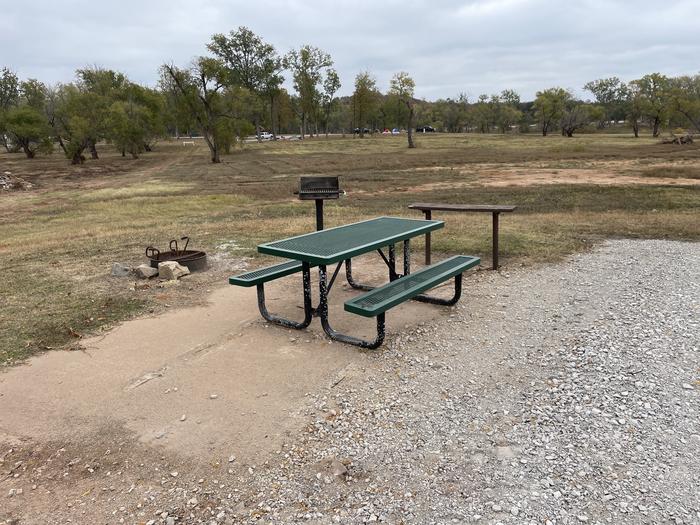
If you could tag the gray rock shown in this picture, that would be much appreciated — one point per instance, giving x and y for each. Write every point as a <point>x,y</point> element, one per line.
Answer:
<point>120,270</point>
<point>172,270</point>
<point>145,271</point>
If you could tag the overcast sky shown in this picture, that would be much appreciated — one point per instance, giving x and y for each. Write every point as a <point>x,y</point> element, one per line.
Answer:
<point>449,47</point>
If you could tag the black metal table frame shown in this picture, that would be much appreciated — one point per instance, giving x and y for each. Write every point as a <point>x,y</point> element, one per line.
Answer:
<point>325,287</point>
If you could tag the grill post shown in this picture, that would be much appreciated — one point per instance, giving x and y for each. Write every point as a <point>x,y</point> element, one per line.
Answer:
<point>319,214</point>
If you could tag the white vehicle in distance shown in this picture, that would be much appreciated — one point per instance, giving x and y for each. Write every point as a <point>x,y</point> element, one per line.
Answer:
<point>266,135</point>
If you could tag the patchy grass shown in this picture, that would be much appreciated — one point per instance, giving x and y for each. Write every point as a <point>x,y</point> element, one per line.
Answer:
<point>58,241</point>
<point>673,172</point>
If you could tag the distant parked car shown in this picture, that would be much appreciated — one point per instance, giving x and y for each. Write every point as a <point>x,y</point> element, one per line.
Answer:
<point>395,131</point>
<point>266,135</point>
<point>425,129</point>
<point>356,131</point>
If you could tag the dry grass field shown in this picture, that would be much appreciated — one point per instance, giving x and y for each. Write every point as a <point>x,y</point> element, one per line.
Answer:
<point>59,239</point>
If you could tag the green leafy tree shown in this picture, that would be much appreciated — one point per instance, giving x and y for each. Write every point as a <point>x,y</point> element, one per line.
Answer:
<point>307,66</point>
<point>78,117</point>
<point>135,122</point>
<point>331,85</point>
<point>549,107</point>
<point>576,115</point>
<point>9,97</point>
<point>655,99</point>
<point>28,129</point>
<point>250,63</point>
<point>685,98</point>
<point>364,99</point>
<point>104,87</point>
<point>609,94</point>
<point>403,87</point>
<point>216,109</point>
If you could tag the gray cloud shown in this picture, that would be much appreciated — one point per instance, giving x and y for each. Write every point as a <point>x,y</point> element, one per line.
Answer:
<point>449,47</point>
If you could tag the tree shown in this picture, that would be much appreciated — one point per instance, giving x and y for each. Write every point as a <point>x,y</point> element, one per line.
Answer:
<point>9,97</point>
<point>575,116</point>
<point>364,99</point>
<point>250,63</point>
<point>609,94</point>
<point>105,86</point>
<point>685,98</point>
<point>654,91</point>
<point>549,107</point>
<point>307,66</point>
<point>331,84</point>
<point>632,106</point>
<point>28,129</point>
<point>136,121</point>
<point>216,109</point>
<point>506,111</point>
<point>77,117</point>
<point>402,87</point>
<point>482,114</point>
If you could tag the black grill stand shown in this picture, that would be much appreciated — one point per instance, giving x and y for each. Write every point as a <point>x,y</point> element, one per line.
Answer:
<point>319,189</point>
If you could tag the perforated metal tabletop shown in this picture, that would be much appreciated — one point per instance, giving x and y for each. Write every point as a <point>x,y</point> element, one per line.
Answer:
<point>344,242</point>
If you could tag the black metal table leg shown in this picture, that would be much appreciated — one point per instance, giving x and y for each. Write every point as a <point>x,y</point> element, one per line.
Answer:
<point>308,310</point>
<point>392,263</point>
<point>428,216</point>
<point>351,280</point>
<point>495,241</point>
<point>337,336</point>
<point>407,257</point>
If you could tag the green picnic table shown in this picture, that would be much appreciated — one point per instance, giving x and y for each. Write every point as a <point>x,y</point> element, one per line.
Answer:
<point>338,246</point>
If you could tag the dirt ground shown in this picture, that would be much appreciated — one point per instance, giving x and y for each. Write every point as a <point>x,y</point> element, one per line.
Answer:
<point>210,381</point>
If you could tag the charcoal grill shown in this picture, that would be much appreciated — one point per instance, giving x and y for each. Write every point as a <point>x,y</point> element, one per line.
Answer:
<point>319,189</point>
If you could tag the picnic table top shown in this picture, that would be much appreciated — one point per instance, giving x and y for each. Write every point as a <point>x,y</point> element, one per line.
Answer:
<point>344,242</point>
<point>461,207</point>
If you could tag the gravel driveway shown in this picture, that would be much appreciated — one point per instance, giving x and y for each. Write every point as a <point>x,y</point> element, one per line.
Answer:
<point>564,394</point>
<point>573,397</point>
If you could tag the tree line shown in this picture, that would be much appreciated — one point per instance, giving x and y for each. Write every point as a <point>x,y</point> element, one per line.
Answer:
<point>237,90</point>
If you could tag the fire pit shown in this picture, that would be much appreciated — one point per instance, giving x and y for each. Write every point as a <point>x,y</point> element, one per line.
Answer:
<point>194,260</point>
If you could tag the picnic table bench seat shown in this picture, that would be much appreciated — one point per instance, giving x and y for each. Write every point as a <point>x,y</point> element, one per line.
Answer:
<point>379,300</point>
<point>266,274</point>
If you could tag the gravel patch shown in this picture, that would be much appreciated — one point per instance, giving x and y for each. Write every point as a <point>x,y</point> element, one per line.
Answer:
<point>566,394</point>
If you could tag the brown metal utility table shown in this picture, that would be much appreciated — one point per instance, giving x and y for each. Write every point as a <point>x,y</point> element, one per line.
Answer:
<point>494,209</point>
<point>338,245</point>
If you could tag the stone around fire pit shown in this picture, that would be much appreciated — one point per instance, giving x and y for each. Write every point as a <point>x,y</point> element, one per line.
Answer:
<point>172,270</point>
<point>145,271</point>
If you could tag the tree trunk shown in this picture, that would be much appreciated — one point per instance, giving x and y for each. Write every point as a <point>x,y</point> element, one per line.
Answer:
<point>657,124</point>
<point>123,152</point>
<point>63,146</point>
<point>213,147</point>
<point>411,115</point>
<point>303,125</point>
<point>635,128</point>
<point>257,129</point>
<point>93,150</point>
<point>77,158</point>
<point>147,147</point>
<point>272,117</point>
<point>694,122</point>
<point>27,150</point>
